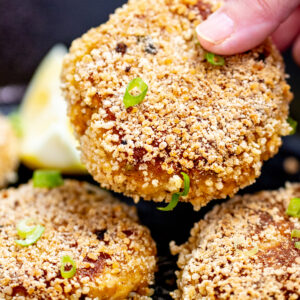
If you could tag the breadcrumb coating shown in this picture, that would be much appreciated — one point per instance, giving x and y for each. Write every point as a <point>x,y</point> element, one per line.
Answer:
<point>242,250</point>
<point>8,152</point>
<point>215,123</point>
<point>115,256</point>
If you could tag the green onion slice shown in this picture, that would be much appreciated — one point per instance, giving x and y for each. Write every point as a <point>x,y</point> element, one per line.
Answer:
<point>32,237</point>
<point>293,209</point>
<point>295,233</point>
<point>252,252</point>
<point>297,245</point>
<point>131,100</point>
<point>172,204</point>
<point>24,228</point>
<point>47,179</point>
<point>176,196</point>
<point>64,262</point>
<point>16,123</point>
<point>186,184</point>
<point>293,124</point>
<point>214,59</point>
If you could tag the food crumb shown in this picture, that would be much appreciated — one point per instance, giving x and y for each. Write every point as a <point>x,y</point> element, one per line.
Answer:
<point>121,48</point>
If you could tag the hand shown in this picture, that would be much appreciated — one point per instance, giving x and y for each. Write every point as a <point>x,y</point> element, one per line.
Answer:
<point>240,25</point>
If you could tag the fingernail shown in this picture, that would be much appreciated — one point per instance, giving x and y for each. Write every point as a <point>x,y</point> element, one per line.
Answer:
<point>216,29</point>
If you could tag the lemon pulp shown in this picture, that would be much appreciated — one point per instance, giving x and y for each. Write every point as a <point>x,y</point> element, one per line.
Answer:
<point>48,140</point>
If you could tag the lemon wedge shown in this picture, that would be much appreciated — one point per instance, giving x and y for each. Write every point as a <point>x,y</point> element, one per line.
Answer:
<point>47,138</point>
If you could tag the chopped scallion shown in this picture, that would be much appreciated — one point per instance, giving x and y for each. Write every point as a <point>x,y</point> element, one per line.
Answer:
<point>297,245</point>
<point>47,179</point>
<point>295,233</point>
<point>24,228</point>
<point>32,237</point>
<point>67,260</point>
<point>252,252</point>
<point>173,203</point>
<point>186,184</point>
<point>214,59</point>
<point>135,85</point>
<point>293,124</point>
<point>293,209</point>
<point>176,196</point>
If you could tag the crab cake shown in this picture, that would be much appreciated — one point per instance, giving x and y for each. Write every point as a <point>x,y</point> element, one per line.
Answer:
<point>215,123</point>
<point>114,255</point>
<point>8,152</point>
<point>243,250</point>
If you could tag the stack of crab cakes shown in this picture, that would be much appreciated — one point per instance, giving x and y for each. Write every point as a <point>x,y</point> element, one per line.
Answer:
<point>157,117</point>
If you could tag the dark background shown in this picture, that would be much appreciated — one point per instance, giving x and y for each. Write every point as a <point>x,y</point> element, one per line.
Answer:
<point>29,28</point>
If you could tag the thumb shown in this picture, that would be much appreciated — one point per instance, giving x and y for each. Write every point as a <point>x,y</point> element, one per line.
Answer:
<point>240,25</point>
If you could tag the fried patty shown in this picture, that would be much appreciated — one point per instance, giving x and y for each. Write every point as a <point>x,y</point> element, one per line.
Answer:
<point>215,123</point>
<point>242,250</point>
<point>115,256</point>
<point>8,152</point>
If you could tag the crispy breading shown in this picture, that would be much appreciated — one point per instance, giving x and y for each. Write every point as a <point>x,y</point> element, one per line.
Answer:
<point>115,256</point>
<point>242,250</point>
<point>215,123</point>
<point>8,152</point>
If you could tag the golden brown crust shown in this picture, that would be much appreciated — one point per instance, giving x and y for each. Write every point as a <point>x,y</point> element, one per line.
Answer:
<point>115,256</point>
<point>242,250</point>
<point>217,124</point>
<point>8,152</point>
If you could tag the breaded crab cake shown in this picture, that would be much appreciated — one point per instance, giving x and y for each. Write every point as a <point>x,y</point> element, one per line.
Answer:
<point>114,255</point>
<point>215,123</point>
<point>8,152</point>
<point>243,250</point>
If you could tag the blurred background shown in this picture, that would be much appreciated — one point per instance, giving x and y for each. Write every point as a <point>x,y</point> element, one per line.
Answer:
<point>29,29</point>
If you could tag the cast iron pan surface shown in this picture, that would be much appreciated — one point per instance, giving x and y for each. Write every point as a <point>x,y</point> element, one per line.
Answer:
<point>28,29</point>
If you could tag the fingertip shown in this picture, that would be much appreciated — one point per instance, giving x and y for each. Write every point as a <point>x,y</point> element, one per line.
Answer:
<point>208,45</point>
<point>221,49</point>
<point>287,31</point>
<point>280,44</point>
<point>216,29</point>
<point>241,25</point>
<point>223,33</point>
<point>296,50</point>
